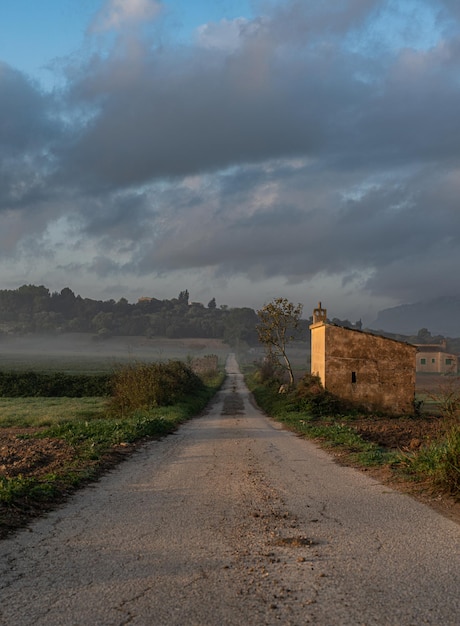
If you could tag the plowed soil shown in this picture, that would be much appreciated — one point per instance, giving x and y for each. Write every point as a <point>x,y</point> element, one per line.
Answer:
<point>22,455</point>
<point>403,433</point>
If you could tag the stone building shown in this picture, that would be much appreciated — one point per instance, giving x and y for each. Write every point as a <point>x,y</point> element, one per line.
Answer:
<point>368,370</point>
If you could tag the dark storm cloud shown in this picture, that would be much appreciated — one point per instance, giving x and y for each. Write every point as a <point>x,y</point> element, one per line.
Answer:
<point>27,133</point>
<point>24,113</point>
<point>305,227</point>
<point>317,139</point>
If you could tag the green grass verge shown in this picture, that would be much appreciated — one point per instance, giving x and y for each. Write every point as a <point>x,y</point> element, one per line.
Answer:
<point>40,412</point>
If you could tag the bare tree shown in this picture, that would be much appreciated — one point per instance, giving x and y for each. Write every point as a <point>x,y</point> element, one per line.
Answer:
<point>278,321</point>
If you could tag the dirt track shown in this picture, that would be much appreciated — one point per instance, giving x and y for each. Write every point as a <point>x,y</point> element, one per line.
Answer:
<point>233,521</point>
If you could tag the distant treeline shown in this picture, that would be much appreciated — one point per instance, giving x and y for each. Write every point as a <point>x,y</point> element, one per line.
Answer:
<point>33,309</point>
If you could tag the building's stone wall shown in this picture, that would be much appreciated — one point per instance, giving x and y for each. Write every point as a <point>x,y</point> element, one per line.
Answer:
<point>368,370</point>
<point>318,350</point>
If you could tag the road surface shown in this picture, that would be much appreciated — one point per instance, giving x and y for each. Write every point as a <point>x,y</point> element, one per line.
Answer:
<point>233,521</point>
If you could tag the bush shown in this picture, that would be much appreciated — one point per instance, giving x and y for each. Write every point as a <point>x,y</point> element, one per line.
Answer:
<point>59,384</point>
<point>147,385</point>
<point>314,399</point>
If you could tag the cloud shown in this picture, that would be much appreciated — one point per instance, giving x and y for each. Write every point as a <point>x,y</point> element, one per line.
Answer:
<point>226,35</point>
<point>23,111</point>
<point>264,95</point>
<point>313,141</point>
<point>117,14</point>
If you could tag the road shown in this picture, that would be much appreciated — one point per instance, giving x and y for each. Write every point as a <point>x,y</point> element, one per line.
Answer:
<point>233,521</point>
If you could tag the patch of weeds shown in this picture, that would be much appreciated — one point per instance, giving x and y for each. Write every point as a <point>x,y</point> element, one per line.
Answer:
<point>439,462</point>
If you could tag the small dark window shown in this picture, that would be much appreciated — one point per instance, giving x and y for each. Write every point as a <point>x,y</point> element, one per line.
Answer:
<point>423,361</point>
<point>448,361</point>
<point>353,377</point>
<point>433,360</point>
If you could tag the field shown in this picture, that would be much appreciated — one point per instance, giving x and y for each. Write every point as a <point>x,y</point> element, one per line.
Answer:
<point>80,352</point>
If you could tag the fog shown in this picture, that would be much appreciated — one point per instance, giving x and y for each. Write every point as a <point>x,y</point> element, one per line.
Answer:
<point>81,351</point>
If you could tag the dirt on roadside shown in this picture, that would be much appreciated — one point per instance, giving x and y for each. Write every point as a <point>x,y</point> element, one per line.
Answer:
<point>22,454</point>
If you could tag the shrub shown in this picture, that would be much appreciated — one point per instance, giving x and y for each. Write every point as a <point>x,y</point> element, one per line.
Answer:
<point>58,384</point>
<point>206,366</point>
<point>313,398</point>
<point>147,385</point>
<point>267,372</point>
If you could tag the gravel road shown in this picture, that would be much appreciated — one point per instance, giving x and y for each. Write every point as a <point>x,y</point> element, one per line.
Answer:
<point>234,521</point>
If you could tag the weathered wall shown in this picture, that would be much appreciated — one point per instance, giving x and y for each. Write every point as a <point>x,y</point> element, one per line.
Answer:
<point>368,370</point>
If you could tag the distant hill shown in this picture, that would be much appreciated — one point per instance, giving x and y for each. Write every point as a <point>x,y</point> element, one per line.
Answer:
<point>441,316</point>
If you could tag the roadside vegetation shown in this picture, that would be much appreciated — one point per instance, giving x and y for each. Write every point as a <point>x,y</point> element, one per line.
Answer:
<point>423,449</point>
<point>49,446</point>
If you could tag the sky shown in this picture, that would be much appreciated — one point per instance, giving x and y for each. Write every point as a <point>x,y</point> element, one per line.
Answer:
<point>243,150</point>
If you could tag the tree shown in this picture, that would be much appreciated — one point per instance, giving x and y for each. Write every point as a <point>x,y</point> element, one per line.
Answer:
<point>184,297</point>
<point>277,322</point>
<point>424,335</point>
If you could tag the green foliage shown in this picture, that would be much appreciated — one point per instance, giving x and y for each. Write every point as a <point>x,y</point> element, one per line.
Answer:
<point>267,372</point>
<point>439,461</point>
<point>308,396</point>
<point>146,385</point>
<point>314,399</point>
<point>58,384</point>
<point>31,309</point>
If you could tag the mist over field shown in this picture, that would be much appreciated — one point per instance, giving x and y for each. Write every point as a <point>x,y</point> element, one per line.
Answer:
<point>75,351</point>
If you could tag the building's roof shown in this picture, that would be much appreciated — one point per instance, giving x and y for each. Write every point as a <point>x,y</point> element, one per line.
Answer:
<point>362,332</point>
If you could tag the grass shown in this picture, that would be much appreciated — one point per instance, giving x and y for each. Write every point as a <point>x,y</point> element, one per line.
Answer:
<point>39,412</point>
<point>438,463</point>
